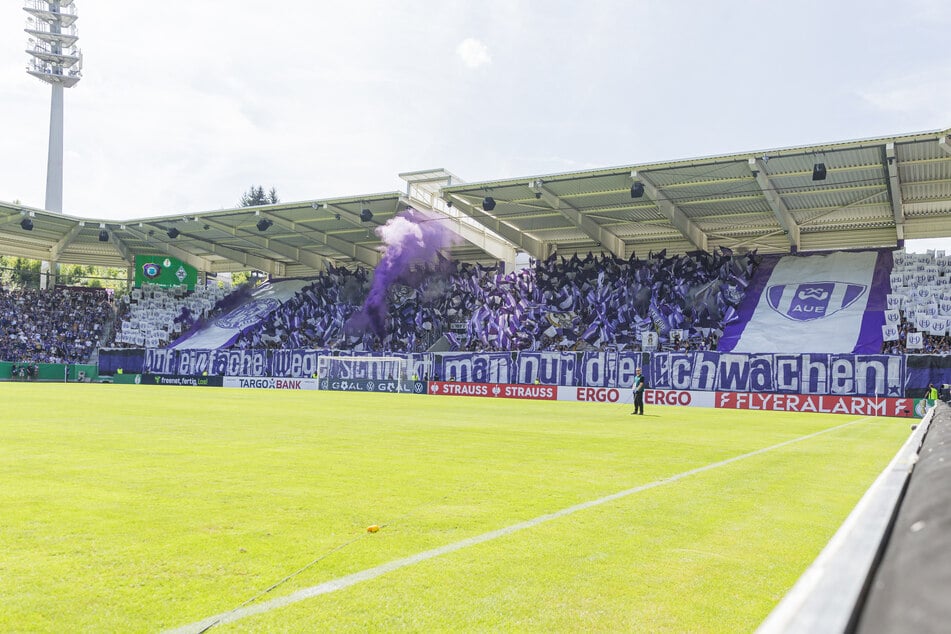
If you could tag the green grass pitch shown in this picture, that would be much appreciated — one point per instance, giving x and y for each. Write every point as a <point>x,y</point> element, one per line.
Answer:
<point>139,509</point>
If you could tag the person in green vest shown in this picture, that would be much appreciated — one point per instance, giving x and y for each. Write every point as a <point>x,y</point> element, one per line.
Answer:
<point>932,393</point>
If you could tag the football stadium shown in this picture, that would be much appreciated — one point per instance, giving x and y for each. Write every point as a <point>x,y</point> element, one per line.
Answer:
<point>703,394</point>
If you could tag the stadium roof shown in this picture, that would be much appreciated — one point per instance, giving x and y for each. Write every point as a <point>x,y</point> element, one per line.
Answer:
<point>875,192</point>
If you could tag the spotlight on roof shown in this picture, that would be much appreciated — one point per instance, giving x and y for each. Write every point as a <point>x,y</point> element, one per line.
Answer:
<point>366,215</point>
<point>819,172</point>
<point>26,224</point>
<point>173,233</point>
<point>264,224</point>
<point>488,203</point>
<point>103,235</point>
<point>637,190</point>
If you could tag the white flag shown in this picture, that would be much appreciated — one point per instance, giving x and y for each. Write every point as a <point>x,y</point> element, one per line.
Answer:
<point>649,340</point>
<point>914,340</point>
<point>939,326</point>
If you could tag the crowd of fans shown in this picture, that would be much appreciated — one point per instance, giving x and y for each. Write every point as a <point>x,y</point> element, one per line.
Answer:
<point>930,344</point>
<point>64,325</point>
<point>153,316</point>
<point>919,304</point>
<point>559,304</point>
<point>595,302</point>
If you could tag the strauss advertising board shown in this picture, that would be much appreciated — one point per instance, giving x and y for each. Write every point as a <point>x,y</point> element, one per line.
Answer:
<point>494,390</point>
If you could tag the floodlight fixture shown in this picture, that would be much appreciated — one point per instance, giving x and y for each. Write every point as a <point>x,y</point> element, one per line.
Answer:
<point>173,233</point>
<point>637,190</point>
<point>264,224</point>
<point>26,224</point>
<point>488,203</point>
<point>56,60</point>
<point>103,235</point>
<point>366,215</point>
<point>819,172</point>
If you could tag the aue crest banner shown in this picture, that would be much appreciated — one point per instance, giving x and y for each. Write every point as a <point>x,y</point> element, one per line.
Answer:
<point>818,303</point>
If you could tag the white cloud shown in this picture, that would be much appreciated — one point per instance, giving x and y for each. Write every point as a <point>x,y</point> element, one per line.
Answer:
<point>924,95</point>
<point>474,53</point>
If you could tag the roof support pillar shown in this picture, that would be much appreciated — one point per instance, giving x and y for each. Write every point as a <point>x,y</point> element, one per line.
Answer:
<point>595,231</point>
<point>674,214</point>
<point>780,210</point>
<point>894,191</point>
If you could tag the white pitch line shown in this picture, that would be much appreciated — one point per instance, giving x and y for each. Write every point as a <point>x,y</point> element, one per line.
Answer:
<point>372,573</point>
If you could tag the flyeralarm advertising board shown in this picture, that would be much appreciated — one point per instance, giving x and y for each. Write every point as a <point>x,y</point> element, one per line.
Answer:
<point>854,405</point>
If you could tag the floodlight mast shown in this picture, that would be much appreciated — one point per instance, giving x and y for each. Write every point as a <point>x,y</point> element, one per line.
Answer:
<point>56,60</point>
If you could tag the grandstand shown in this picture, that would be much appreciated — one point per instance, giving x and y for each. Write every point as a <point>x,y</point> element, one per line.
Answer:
<point>875,193</point>
<point>749,281</point>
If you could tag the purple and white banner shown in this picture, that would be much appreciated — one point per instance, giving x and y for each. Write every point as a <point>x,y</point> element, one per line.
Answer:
<point>213,362</point>
<point>223,331</point>
<point>822,303</point>
<point>844,374</point>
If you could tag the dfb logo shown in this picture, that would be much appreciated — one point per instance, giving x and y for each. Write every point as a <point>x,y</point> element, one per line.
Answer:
<point>813,300</point>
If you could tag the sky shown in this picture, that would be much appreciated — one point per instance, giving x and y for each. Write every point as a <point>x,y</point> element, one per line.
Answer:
<point>184,105</point>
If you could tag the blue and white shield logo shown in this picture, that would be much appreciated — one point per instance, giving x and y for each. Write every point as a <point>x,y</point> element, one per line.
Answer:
<point>812,300</point>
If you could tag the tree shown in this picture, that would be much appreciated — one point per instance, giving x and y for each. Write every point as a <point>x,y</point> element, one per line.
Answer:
<point>256,196</point>
<point>25,273</point>
<point>20,272</point>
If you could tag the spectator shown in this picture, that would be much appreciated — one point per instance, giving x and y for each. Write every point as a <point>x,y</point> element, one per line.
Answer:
<point>59,326</point>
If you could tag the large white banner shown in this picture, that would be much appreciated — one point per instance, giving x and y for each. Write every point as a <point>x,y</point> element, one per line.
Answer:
<point>812,303</point>
<point>262,303</point>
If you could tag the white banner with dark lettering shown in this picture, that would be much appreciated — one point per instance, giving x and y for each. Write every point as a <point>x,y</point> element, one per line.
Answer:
<point>679,398</point>
<point>845,374</point>
<point>269,383</point>
<point>814,303</point>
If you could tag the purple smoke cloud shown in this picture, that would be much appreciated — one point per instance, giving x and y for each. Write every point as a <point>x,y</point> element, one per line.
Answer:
<point>412,238</point>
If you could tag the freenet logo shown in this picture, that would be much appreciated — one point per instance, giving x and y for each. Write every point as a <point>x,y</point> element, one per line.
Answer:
<point>812,300</point>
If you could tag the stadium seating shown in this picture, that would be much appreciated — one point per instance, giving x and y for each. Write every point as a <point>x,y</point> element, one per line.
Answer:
<point>65,325</point>
<point>567,304</point>
<point>919,304</point>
